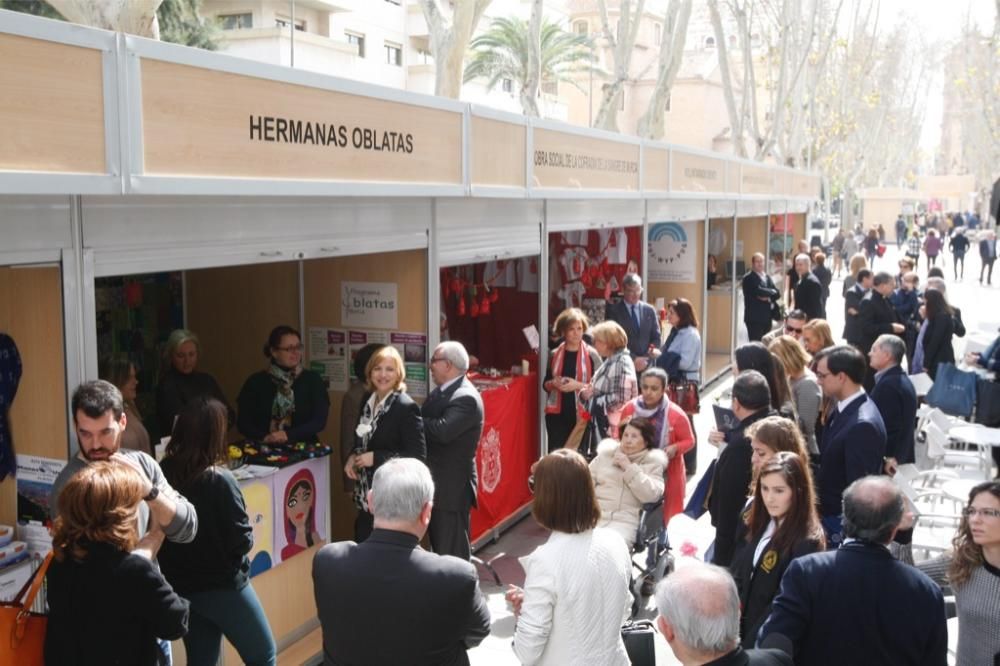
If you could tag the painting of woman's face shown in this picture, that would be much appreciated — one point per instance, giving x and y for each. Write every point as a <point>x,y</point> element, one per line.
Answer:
<point>298,504</point>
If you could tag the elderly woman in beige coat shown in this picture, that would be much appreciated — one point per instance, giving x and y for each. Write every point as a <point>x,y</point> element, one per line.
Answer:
<point>628,475</point>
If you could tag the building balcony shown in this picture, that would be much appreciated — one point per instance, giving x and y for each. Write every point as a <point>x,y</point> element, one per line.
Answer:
<point>416,24</point>
<point>273,45</point>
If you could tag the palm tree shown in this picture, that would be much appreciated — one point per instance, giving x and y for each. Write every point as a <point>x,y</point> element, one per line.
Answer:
<point>502,52</point>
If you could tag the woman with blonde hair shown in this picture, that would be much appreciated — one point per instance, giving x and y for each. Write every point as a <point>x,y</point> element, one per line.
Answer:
<point>181,380</point>
<point>972,570</point>
<point>806,392</point>
<point>390,426</point>
<point>816,336</point>
<point>614,383</point>
<point>572,361</point>
<point>103,575</point>
<point>858,262</point>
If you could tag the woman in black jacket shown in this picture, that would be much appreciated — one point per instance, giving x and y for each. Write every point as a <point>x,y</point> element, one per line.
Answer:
<point>782,524</point>
<point>285,403</point>
<point>212,571</point>
<point>390,426</point>
<point>108,603</point>
<point>938,335</point>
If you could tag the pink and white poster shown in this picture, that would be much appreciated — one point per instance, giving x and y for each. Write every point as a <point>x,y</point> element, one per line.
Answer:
<point>300,493</point>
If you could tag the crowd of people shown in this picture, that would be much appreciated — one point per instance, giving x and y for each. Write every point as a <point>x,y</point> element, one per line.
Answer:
<point>800,496</point>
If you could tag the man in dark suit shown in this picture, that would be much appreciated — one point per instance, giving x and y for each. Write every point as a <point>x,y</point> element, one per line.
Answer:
<point>759,296</point>
<point>895,398</point>
<point>809,291</point>
<point>387,601</point>
<point>700,619</point>
<point>854,438</point>
<point>637,318</point>
<point>988,255</point>
<point>751,403</point>
<point>453,423</point>
<point>876,317</point>
<point>852,307</point>
<point>858,604</point>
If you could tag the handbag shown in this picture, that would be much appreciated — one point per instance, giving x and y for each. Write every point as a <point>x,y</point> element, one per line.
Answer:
<point>880,250</point>
<point>685,395</point>
<point>954,390</point>
<point>988,403</point>
<point>698,504</point>
<point>777,311</point>
<point>638,638</point>
<point>22,633</point>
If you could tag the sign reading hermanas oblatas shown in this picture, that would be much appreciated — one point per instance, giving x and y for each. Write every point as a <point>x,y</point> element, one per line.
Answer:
<point>672,252</point>
<point>369,304</point>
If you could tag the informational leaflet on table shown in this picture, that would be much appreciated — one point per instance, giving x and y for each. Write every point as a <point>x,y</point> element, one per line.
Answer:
<point>35,476</point>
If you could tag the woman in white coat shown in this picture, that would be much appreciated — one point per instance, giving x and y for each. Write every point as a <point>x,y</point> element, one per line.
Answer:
<point>576,590</point>
<point>628,475</point>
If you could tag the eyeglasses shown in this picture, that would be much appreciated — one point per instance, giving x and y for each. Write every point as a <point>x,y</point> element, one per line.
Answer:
<point>292,348</point>
<point>971,511</point>
<point>822,375</point>
<point>792,329</point>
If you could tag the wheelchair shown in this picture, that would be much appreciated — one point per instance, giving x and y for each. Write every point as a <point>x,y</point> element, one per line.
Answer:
<point>650,534</point>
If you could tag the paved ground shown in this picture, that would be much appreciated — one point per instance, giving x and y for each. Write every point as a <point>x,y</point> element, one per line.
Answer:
<point>981,313</point>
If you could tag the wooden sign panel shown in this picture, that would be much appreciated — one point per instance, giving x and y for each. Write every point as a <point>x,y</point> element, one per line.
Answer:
<point>804,185</point>
<point>756,180</point>
<point>498,153</point>
<point>52,114</point>
<point>697,173</point>
<point>733,177</point>
<point>200,122</point>
<point>572,161</point>
<point>655,169</point>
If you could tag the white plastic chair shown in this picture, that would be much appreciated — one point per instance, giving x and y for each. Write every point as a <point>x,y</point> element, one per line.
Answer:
<point>949,462</point>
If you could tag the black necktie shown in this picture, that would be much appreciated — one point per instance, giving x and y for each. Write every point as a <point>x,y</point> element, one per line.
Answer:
<point>833,416</point>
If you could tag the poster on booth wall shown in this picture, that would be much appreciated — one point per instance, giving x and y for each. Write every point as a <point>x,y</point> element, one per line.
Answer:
<point>368,305</point>
<point>358,339</point>
<point>300,493</point>
<point>258,496</point>
<point>35,476</point>
<point>672,250</point>
<point>413,348</point>
<point>328,356</point>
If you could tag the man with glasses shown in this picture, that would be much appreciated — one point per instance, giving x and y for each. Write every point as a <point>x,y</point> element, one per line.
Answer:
<point>453,423</point>
<point>759,296</point>
<point>639,320</point>
<point>795,322</point>
<point>854,438</point>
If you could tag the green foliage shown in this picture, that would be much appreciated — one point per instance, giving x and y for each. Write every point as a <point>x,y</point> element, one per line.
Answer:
<point>180,20</point>
<point>502,53</point>
<point>35,7</point>
<point>181,23</point>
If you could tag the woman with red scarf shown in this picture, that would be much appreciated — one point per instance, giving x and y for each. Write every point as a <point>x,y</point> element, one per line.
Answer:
<point>573,360</point>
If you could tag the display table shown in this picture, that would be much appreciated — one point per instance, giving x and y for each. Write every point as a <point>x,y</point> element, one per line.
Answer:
<point>507,449</point>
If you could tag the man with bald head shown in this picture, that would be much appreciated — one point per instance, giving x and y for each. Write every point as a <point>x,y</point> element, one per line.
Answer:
<point>808,291</point>
<point>858,604</point>
<point>700,619</point>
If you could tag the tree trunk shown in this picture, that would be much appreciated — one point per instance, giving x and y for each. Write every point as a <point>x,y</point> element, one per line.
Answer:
<point>449,41</point>
<point>674,34</point>
<point>622,45</point>
<point>532,79</point>
<point>735,120</point>
<point>136,17</point>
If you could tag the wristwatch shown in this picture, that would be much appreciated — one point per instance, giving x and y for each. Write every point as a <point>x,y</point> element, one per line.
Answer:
<point>154,492</point>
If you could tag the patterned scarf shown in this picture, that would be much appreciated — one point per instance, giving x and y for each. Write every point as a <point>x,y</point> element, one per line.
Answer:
<point>371,416</point>
<point>584,371</point>
<point>284,399</point>
<point>658,417</point>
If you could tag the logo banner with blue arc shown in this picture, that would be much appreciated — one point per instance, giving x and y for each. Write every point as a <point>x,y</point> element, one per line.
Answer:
<point>673,251</point>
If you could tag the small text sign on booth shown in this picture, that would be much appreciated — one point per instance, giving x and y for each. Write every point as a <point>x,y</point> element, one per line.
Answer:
<point>570,161</point>
<point>697,173</point>
<point>369,304</point>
